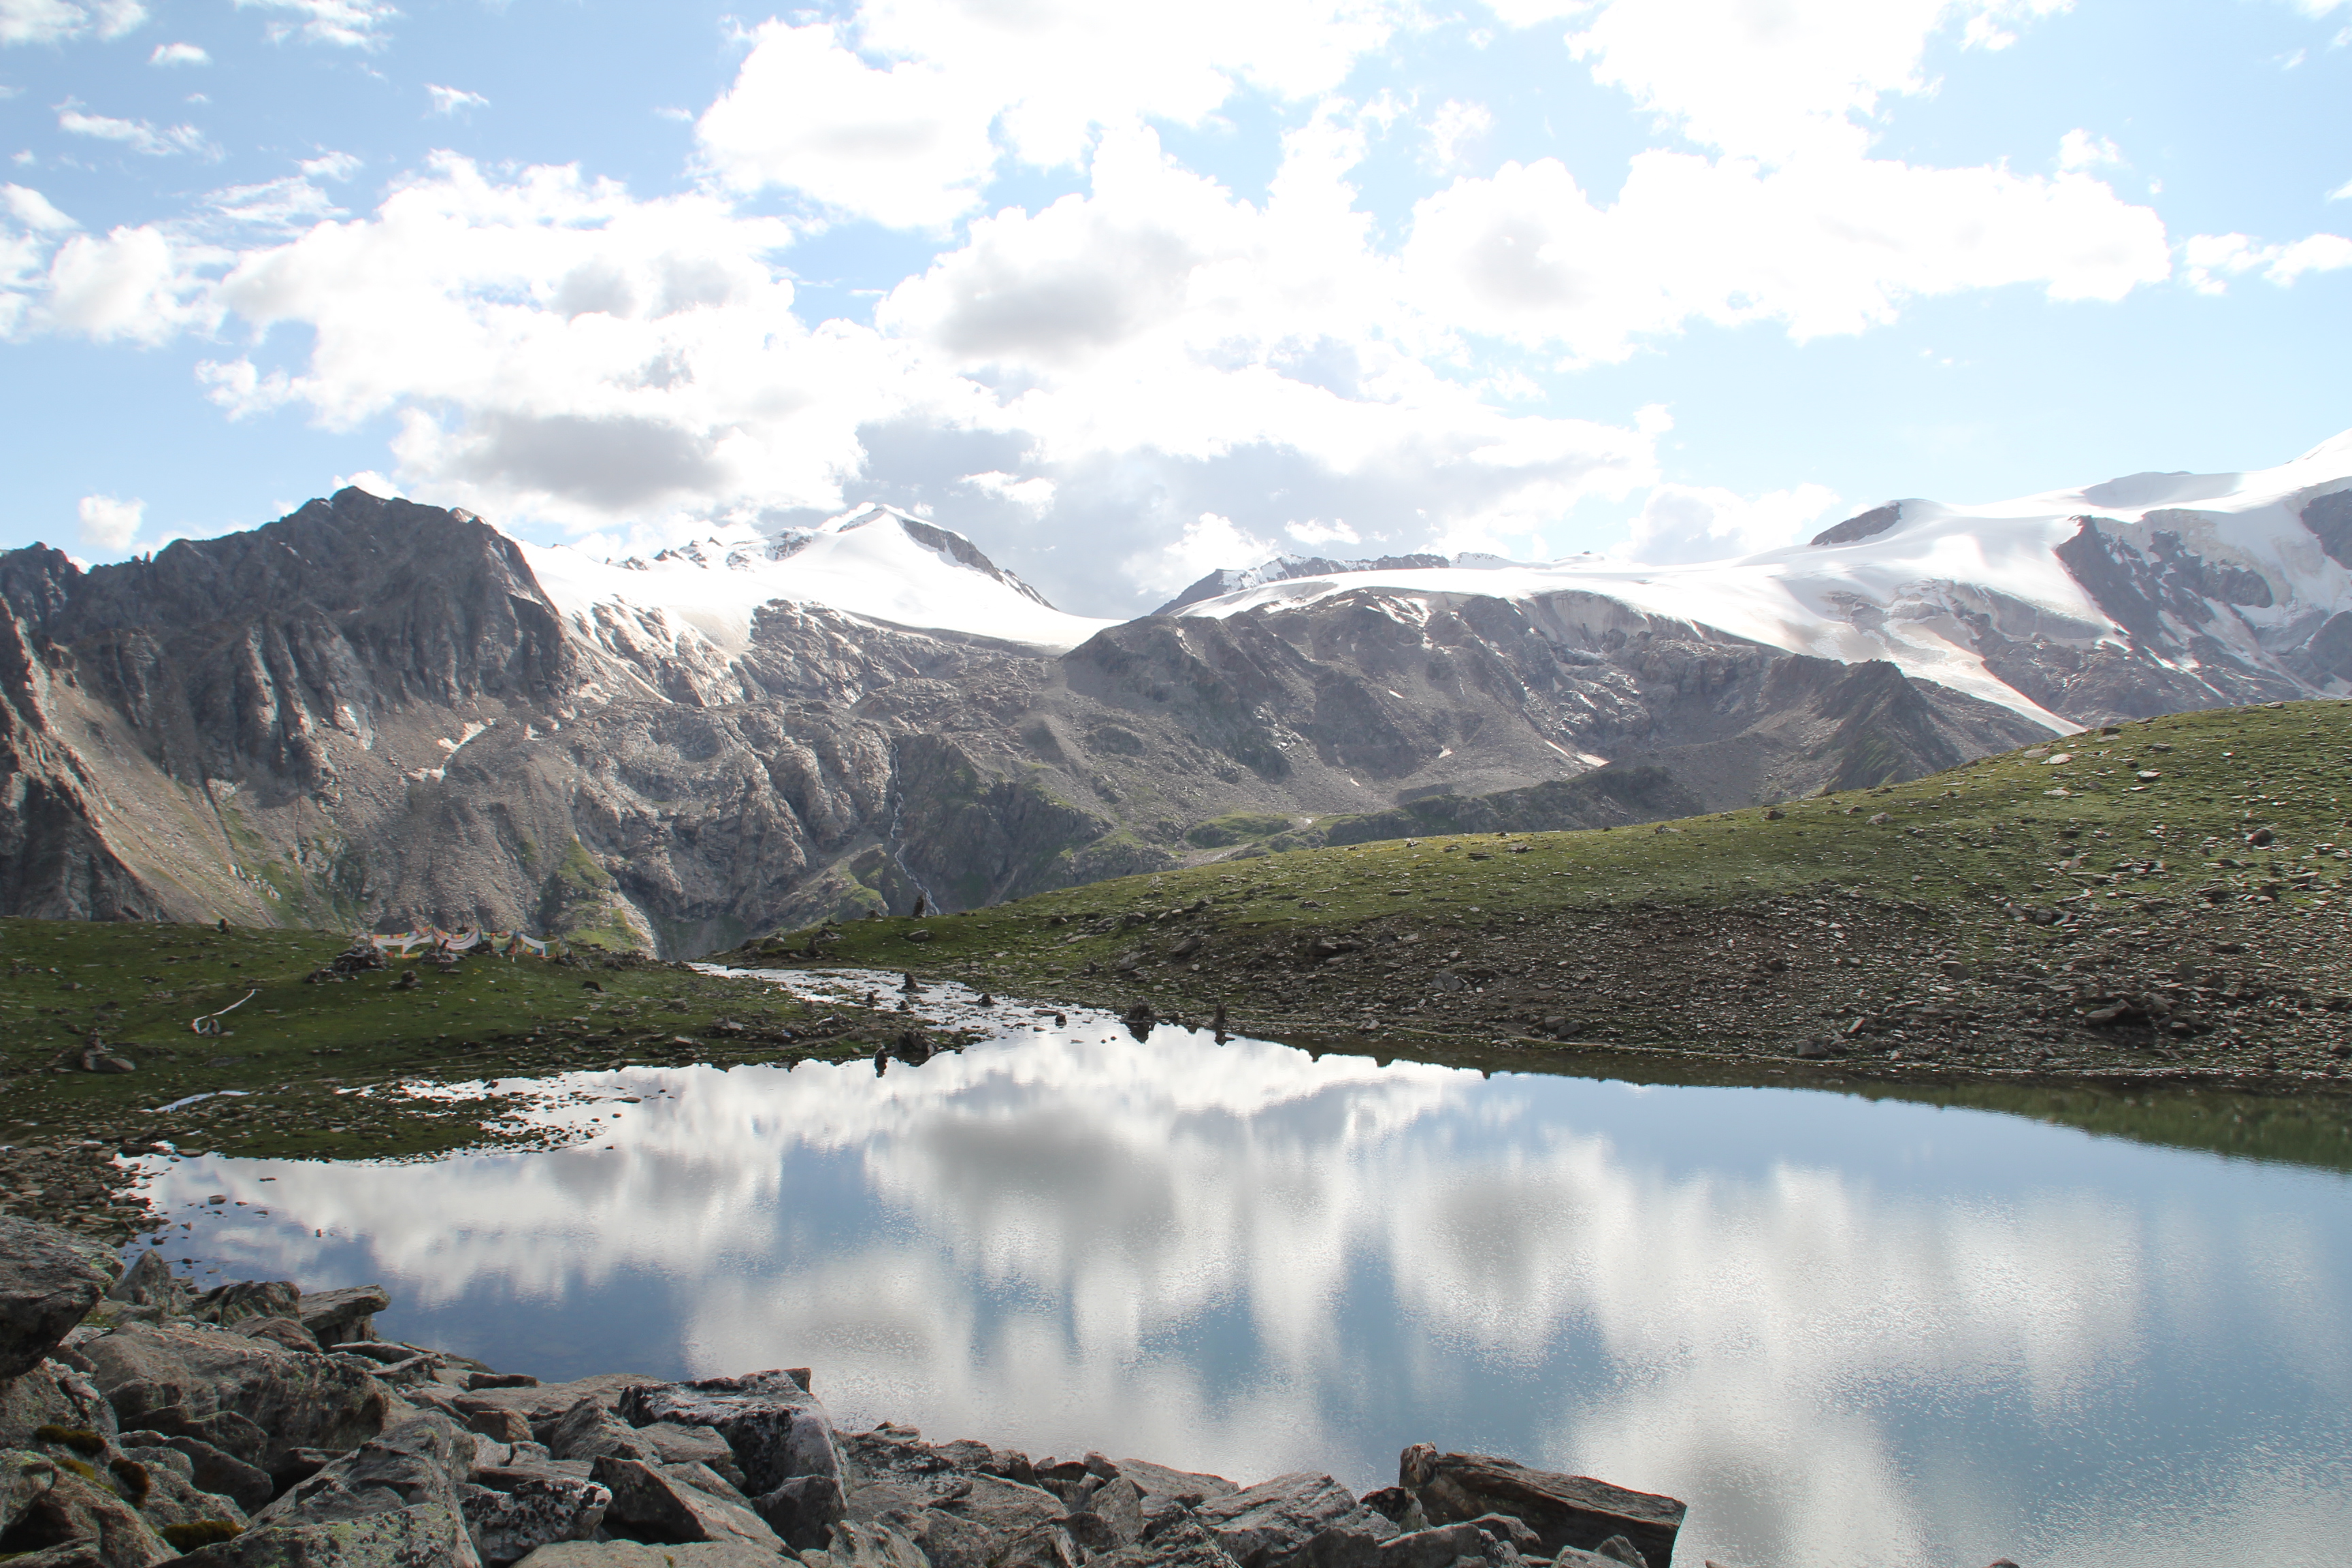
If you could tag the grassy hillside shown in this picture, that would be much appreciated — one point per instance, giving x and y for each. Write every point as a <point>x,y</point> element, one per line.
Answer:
<point>2159,897</point>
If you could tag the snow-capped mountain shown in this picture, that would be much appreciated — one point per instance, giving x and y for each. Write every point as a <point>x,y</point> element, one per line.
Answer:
<point>874,563</point>
<point>2154,593</point>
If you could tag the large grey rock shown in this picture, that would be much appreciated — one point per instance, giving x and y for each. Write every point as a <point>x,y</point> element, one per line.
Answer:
<point>779,1430</point>
<point>1563,1510</point>
<point>71,1509</point>
<point>393,1502</point>
<point>637,1555</point>
<point>188,1379</point>
<point>1159,1480</point>
<point>1042,1546</point>
<point>51,1395</point>
<point>242,1298</point>
<point>149,1283</point>
<point>1182,1541</point>
<point>172,1499</point>
<point>1494,1542</point>
<point>214,1469</point>
<point>25,1475</point>
<point>648,1504</point>
<point>46,1285</point>
<point>855,1545</point>
<point>947,1538</point>
<point>1263,1523</point>
<point>284,1332</point>
<point>1119,1503</point>
<point>338,1317</point>
<point>588,1430</point>
<point>678,1444</point>
<point>512,1513</point>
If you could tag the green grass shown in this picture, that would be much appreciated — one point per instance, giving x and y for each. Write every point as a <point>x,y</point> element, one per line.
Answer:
<point>294,1044</point>
<point>1987,833</point>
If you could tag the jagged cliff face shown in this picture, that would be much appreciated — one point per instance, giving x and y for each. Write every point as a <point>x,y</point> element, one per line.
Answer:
<point>373,711</point>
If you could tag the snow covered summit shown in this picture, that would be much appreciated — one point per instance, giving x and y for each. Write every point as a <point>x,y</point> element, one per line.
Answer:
<point>876,562</point>
<point>2148,594</point>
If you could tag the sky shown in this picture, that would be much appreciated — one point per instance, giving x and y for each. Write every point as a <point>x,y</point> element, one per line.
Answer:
<point>1128,293</point>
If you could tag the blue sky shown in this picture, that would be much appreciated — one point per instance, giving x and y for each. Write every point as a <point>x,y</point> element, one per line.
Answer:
<point>1125,295</point>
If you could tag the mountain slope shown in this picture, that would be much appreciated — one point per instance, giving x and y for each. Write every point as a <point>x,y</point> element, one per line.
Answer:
<point>2152,594</point>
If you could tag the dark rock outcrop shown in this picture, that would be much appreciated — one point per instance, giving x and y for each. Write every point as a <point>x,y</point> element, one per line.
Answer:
<point>46,1285</point>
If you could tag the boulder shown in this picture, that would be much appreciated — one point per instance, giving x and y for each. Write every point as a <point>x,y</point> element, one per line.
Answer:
<point>1119,1503</point>
<point>512,1513</point>
<point>212,1469</point>
<point>242,1298</point>
<point>678,1444</point>
<point>46,1285</point>
<point>866,1546</point>
<point>336,1317</point>
<point>25,1475</point>
<point>946,1539</point>
<point>588,1431</point>
<point>252,1399</point>
<point>1159,1480</point>
<point>51,1395</point>
<point>778,1429</point>
<point>393,1502</point>
<point>1563,1510</point>
<point>1041,1546</point>
<point>803,1510</point>
<point>637,1555</point>
<point>149,1283</point>
<point>647,1504</point>
<point>703,1478</point>
<point>1180,1542</point>
<point>76,1511</point>
<point>285,1332</point>
<point>1266,1522</point>
<point>170,1499</point>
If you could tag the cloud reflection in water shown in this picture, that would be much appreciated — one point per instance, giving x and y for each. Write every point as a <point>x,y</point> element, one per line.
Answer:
<point>1847,1332</point>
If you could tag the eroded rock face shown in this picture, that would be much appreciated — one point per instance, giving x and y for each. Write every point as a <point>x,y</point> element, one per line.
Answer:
<point>256,1401</point>
<point>73,1511</point>
<point>46,1287</point>
<point>651,1505</point>
<point>778,1430</point>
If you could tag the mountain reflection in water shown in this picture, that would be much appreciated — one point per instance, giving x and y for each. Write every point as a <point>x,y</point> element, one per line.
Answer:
<point>1845,1331</point>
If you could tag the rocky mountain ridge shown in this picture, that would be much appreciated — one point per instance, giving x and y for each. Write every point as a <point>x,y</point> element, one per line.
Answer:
<point>375,711</point>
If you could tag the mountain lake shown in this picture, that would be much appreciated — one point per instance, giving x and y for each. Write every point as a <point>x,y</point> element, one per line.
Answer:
<point>1844,1330</point>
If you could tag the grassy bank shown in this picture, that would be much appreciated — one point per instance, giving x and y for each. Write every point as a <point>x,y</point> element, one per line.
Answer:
<point>2159,899</point>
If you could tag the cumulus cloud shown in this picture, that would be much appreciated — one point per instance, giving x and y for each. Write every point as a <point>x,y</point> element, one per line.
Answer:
<point>1826,246</point>
<point>2210,260</point>
<point>56,21</point>
<point>1772,78</point>
<point>108,524</point>
<point>907,146</point>
<point>139,135</point>
<point>345,24</point>
<point>450,101</point>
<point>1682,523</point>
<point>179,55</point>
<point>2078,150</point>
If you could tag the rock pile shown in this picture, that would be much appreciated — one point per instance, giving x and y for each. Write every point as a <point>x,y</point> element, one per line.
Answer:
<point>261,1427</point>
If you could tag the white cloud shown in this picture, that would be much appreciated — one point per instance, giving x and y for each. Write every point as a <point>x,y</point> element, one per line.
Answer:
<point>329,166</point>
<point>1207,542</point>
<point>1682,523</point>
<point>907,146</point>
<point>1828,245</point>
<point>347,24</point>
<point>2210,260</point>
<point>55,21</point>
<point>1772,79</point>
<point>451,100</point>
<point>1036,493</point>
<point>129,286</point>
<point>179,55</point>
<point>139,135</point>
<point>108,524</point>
<point>2079,150</point>
<point>1451,129</point>
<point>2342,193</point>
<point>903,117</point>
<point>1314,531</point>
<point>31,210</point>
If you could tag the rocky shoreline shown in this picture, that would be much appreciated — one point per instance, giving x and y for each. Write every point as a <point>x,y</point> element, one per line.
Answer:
<point>261,1425</point>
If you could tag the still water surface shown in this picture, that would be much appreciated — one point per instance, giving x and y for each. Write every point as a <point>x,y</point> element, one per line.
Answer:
<point>1847,1332</point>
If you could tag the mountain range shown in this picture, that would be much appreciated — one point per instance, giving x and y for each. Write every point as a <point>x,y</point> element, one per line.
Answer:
<point>374,711</point>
